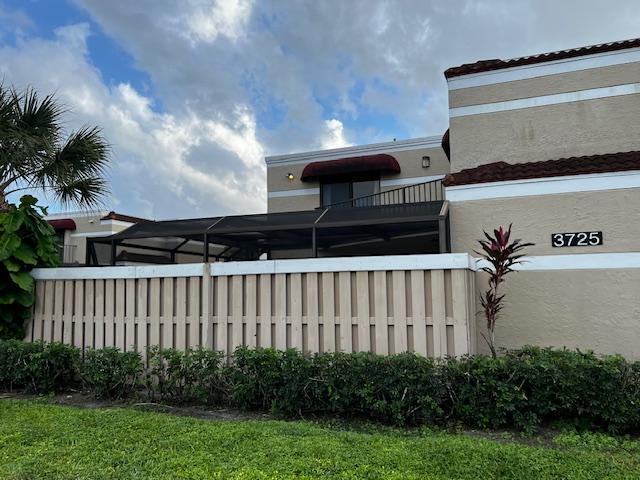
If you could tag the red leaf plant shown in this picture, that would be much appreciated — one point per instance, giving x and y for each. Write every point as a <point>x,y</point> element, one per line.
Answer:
<point>501,256</point>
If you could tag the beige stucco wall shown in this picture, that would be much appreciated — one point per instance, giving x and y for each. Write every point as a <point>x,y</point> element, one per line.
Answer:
<point>410,164</point>
<point>291,204</point>
<point>587,127</point>
<point>586,309</point>
<point>615,212</point>
<point>546,85</point>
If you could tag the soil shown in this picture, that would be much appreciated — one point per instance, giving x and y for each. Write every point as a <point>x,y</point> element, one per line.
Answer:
<point>84,400</point>
<point>543,438</point>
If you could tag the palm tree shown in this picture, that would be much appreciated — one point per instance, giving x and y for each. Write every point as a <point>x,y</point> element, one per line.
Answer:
<point>35,153</point>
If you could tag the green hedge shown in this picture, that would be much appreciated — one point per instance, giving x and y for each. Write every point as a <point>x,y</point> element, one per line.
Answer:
<point>524,388</point>
<point>110,373</point>
<point>195,376</point>
<point>37,367</point>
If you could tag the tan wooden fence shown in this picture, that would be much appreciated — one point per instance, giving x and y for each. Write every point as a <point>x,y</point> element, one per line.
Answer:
<point>420,303</point>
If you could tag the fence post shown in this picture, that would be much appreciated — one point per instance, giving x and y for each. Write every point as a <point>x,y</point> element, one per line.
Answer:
<point>207,327</point>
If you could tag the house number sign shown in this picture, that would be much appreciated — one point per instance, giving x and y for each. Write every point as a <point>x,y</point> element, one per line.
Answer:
<point>576,239</point>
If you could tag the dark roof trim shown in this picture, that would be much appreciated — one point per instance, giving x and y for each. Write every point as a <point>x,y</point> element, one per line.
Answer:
<point>446,145</point>
<point>124,218</point>
<point>502,171</point>
<point>62,224</point>
<point>126,256</point>
<point>368,163</point>
<point>498,64</point>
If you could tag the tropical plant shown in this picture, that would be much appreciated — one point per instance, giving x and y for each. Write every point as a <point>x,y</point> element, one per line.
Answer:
<point>501,256</point>
<point>36,153</point>
<point>26,241</point>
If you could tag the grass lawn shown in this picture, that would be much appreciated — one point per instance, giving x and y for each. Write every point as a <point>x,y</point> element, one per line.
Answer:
<point>41,440</point>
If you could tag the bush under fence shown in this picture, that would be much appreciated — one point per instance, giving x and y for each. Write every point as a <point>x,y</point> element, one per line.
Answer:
<point>524,389</point>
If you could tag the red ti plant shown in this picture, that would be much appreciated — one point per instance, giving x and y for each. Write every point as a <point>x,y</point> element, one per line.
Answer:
<point>501,256</point>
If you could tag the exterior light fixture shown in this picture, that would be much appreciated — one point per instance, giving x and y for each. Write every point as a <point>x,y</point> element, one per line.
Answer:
<point>290,176</point>
<point>426,162</point>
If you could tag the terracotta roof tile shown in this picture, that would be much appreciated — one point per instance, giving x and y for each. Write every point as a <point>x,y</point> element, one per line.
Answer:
<point>497,64</point>
<point>502,171</point>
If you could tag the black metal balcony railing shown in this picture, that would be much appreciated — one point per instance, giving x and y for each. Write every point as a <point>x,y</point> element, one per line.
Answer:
<point>418,193</point>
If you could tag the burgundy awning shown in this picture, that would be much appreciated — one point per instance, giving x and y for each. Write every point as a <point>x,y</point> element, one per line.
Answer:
<point>368,163</point>
<point>62,224</point>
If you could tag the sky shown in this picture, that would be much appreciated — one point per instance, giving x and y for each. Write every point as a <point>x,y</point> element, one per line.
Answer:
<point>193,94</point>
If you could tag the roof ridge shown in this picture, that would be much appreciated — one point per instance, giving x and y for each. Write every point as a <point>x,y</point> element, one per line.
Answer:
<point>112,215</point>
<point>498,64</point>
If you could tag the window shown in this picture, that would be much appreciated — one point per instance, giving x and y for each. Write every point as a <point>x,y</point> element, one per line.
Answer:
<point>364,188</point>
<point>332,192</point>
<point>335,193</point>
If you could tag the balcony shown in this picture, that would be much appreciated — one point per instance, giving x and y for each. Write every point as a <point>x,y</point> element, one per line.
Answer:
<point>432,191</point>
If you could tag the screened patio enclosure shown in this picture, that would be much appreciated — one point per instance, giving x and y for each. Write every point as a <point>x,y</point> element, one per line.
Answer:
<point>337,230</point>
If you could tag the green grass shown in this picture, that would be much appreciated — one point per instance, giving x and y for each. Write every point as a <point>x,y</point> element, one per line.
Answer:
<point>43,440</point>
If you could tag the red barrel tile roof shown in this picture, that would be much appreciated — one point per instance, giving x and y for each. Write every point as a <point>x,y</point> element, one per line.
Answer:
<point>497,64</point>
<point>502,171</point>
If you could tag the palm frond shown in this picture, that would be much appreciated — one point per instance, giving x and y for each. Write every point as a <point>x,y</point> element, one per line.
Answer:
<point>6,110</point>
<point>87,192</point>
<point>29,131</point>
<point>33,154</point>
<point>38,118</point>
<point>84,156</point>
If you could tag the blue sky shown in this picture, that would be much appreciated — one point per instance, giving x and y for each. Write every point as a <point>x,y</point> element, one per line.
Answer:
<point>111,59</point>
<point>193,94</point>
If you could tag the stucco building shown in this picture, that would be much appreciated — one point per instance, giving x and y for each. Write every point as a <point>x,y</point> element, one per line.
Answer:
<point>549,143</point>
<point>74,228</point>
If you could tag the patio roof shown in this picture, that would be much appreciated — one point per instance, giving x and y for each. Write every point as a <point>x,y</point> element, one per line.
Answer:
<point>246,237</point>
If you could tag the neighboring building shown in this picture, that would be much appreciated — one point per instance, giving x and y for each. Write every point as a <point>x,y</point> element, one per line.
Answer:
<point>315,179</point>
<point>73,229</point>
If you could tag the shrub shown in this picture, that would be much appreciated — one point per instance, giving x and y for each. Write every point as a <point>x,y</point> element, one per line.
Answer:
<point>531,386</point>
<point>401,389</point>
<point>38,367</point>
<point>194,376</point>
<point>110,373</point>
<point>26,241</point>
<point>14,355</point>
<point>255,378</point>
<point>524,388</point>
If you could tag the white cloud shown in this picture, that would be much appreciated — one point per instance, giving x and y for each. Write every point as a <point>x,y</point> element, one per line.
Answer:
<point>236,79</point>
<point>222,17</point>
<point>335,137</point>
<point>151,149</point>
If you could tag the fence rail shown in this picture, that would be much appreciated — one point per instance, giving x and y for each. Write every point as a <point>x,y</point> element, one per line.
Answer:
<point>427,311</point>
